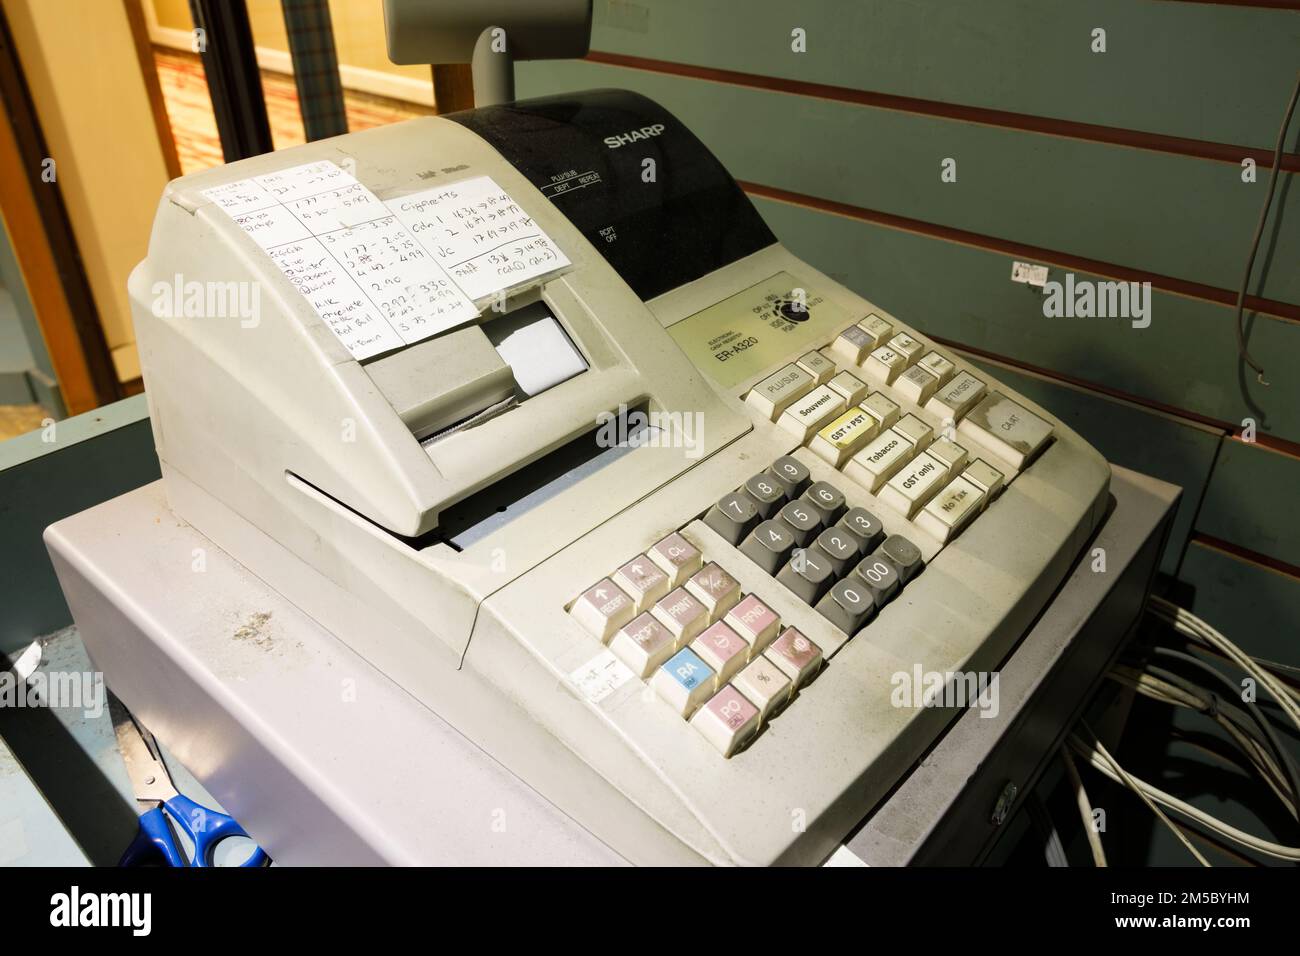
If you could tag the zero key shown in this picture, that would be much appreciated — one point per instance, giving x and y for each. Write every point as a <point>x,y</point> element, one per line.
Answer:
<point>847,605</point>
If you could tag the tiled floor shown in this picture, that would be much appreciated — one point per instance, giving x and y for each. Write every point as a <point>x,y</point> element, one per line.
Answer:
<point>20,419</point>
<point>185,91</point>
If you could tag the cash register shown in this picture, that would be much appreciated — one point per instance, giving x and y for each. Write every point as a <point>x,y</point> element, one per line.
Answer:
<point>529,407</point>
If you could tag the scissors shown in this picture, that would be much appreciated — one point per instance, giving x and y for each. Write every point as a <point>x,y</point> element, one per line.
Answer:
<point>164,807</point>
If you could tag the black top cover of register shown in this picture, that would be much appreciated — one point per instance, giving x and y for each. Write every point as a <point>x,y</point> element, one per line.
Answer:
<point>660,226</point>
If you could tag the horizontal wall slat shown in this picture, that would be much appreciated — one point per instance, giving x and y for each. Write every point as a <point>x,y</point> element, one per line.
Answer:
<point>1171,215</point>
<point>1251,501</point>
<point>1254,607</point>
<point>1173,68</point>
<point>1186,359</point>
<point>1132,437</point>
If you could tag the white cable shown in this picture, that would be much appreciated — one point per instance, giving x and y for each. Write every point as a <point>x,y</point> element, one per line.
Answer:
<point>1273,667</point>
<point>1230,718</point>
<point>1136,786</point>
<point>1188,623</point>
<point>1085,809</point>
<point>1215,825</point>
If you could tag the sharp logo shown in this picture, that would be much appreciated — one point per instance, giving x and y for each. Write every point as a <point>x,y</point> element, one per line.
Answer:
<point>645,132</point>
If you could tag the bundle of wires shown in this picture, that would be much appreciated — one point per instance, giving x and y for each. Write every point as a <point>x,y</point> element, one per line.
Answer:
<point>1224,702</point>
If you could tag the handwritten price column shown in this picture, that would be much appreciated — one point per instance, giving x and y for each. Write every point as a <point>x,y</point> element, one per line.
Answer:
<point>361,270</point>
<point>479,235</point>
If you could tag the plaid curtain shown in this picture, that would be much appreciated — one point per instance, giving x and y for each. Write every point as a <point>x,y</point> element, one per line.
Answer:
<point>315,67</point>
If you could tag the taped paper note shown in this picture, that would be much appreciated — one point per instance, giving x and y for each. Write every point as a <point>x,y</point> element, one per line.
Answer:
<point>365,275</point>
<point>601,676</point>
<point>1028,273</point>
<point>480,235</point>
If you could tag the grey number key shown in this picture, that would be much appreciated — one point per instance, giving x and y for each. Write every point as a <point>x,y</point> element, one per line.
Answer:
<point>905,556</point>
<point>733,517</point>
<point>840,548</point>
<point>767,493</point>
<point>880,577</point>
<point>865,527</point>
<point>847,605</point>
<point>791,473</point>
<point>809,574</point>
<point>827,499</point>
<point>769,545</point>
<point>804,520</point>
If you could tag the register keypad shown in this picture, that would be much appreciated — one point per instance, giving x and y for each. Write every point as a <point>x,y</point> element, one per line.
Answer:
<point>722,658</point>
<point>857,423</point>
<point>833,558</point>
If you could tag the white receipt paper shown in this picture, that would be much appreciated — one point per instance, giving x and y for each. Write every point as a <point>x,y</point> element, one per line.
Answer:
<point>536,348</point>
<point>381,278</point>
<point>479,234</point>
<point>362,271</point>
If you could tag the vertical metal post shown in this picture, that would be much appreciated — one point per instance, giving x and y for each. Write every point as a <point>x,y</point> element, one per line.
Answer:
<point>494,68</point>
<point>233,79</point>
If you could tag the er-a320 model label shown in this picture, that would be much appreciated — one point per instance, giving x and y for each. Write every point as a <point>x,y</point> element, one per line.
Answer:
<point>752,330</point>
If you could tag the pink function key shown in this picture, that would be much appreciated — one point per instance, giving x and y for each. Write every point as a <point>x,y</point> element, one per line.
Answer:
<point>716,589</point>
<point>603,608</point>
<point>798,657</point>
<point>754,621</point>
<point>727,720</point>
<point>643,644</point>
<point>678,558</point>
<point>683,615</point>
<point>643,580</point>
<point>722,649</point>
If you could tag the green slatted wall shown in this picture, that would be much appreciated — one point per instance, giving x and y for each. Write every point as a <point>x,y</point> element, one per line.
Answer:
<point>1123,164</point>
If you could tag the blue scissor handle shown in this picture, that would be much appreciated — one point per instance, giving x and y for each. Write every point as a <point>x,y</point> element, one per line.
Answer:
<point>205,828</point>
<point>153,839</point>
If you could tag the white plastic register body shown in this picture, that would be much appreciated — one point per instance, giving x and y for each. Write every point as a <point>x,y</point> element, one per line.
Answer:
<point>670,585</point>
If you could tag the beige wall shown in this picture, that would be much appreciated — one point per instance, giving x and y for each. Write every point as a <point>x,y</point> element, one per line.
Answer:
<point>358,32</point>
<point>99,128</point>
